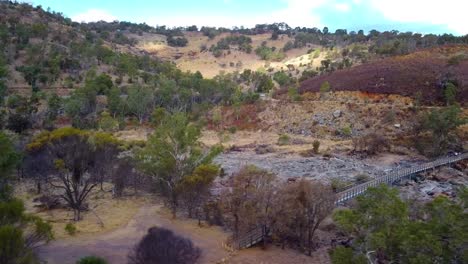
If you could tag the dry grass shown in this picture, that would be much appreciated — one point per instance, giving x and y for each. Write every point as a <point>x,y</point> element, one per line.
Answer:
<point>190,58</point>
<point>112,213</point>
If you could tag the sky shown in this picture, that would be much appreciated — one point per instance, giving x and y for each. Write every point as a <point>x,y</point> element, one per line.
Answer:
<point>422,16</point>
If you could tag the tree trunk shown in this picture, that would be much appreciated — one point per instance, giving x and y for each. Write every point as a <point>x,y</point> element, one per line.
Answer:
<point>39,189</point>
<point>309,241</point>
<point>174,205</point>
<point>76,215</point>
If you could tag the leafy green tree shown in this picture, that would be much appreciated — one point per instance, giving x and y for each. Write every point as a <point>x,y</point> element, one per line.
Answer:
<point>20,233</point>
<point>115,103</point>
<point>195,189</point>
<point>108,123</point>
<point>139,101</point>
<point>101,83</point>
<point>8,160</point>
<point>80,105</point>
<point>281,78</point>
<point>450,93</point>
<point>172,153</point>
<point>158,115</point>
<point>383,229</point>
<point>54,103</point>
<point>3,75</point>
<point>440,124</point>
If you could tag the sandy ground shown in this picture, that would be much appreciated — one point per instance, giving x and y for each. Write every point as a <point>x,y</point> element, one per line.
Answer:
<point>115,245</point>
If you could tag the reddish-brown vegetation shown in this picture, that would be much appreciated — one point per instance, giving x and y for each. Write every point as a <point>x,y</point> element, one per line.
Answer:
<point>244,117</point>
<point>420,72</point>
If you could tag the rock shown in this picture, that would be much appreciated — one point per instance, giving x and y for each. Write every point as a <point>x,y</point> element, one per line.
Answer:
<point>264,149</point>
<point>337,113</point>
<point>397,125</point>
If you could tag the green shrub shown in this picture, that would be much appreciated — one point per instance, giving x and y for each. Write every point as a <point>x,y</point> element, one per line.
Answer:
<point>345,255</point>
<point>108,123</point>
<point>316,146</point>
<point>361,178</point>
<point>91,260</point>
<point>346,131</point>
<point>293,94</point>
<point>283,140</point>
<point>338,184</point>
<point>233,130</point>
<point>325,87</point>
<point>71,229</point>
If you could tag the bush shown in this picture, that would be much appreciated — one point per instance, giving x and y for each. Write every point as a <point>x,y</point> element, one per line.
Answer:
<point>71,229</point>
<point>293,94</point>
<point>283,140</point>
<point>233,130</point>
<point>346,131</point>
<point>361,178</point>
<point>91,260</point>
<point>177,41</point>
<point>345,255</point>
<point>108,123</point>
<point>338,184</point>
<point>325,87</point>
<point>161,245</point>
<point>316,146</point>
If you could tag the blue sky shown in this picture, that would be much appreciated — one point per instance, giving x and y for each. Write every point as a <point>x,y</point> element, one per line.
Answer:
<point>424,16</point>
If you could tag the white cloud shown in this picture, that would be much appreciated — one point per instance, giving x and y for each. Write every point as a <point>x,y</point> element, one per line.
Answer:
<point>296,13</point>
<point>449,13</point>
<point>343,7</point>
<point>93,15</point>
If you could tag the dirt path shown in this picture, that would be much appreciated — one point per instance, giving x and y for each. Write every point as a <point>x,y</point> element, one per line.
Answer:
<point>114,246</point>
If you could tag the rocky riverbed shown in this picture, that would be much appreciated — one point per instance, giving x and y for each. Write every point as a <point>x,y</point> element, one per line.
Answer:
<point>442,181</point>
<point>295,166</point>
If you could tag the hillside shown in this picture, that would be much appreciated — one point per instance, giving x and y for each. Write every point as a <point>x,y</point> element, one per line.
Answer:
<point>423,72</point>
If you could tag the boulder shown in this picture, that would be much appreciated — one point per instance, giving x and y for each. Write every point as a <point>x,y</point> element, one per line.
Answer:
<point>337,113</point>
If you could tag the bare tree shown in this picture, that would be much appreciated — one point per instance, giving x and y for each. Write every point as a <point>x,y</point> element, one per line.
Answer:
<point>303,205</point>
<point>249,201</point>
<point>162,246</point>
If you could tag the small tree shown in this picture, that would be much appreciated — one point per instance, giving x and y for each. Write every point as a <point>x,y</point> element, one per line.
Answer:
<point>249,202</point>
<point>384,229</point>
<point>172,153</point>
<point>161,245</point>
<point>316,146</point>
<point>74,158</point>
<point>20,233</point>
<point>54,103</point>
<point>8,160</point>
<point>115,103</point>
<point>325,87</point>
<point>303,205</point>
<point>440,125</point>
<point>450,93</point>
<point>139,102</point>
<point>195,189</point>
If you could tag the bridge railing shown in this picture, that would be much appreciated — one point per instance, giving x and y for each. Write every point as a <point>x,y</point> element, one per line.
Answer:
<point>395,176</point>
